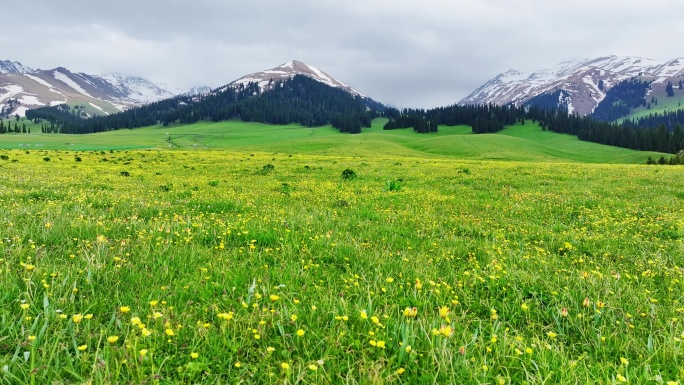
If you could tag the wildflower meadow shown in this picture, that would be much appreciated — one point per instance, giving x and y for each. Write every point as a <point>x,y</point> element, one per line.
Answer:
<point>218,267</point>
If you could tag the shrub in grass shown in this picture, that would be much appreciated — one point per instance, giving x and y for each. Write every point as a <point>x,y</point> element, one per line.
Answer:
<point>348,174</point>
<point>393,185</point>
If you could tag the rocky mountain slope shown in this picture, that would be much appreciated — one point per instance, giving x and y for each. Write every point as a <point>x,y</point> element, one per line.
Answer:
<point>585,82</point>
<point>22,88</point>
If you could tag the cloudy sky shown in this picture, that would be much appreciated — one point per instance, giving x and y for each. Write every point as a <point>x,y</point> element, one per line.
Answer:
<point>407,53</point>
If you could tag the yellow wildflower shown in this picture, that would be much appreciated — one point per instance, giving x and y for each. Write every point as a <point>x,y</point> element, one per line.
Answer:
<point>410,312</point>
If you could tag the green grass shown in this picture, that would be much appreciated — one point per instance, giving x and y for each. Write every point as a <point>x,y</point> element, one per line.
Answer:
<point>518,143</point>
<point>665,104</point>
<point>163,267</point>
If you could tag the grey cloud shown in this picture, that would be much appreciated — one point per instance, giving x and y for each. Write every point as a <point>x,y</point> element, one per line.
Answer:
<point>407,53</point>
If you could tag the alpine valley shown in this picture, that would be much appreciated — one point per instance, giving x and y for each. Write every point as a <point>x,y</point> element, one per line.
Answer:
<point>23,88</point>
<point>602,90</point>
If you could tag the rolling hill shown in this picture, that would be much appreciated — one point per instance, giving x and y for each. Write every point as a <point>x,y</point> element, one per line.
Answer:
<point>516,143</point>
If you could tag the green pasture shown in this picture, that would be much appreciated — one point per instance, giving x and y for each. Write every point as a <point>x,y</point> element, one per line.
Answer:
<point>519,143</point>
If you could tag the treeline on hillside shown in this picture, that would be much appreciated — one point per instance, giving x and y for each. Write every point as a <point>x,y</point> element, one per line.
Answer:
<point>586,128</point>
<point>483,118</point>
<point>668,119</point>
<point>674,160</point>
<point>493,118</point>
<point>621,99</point>
<point>550,100</point>
<point>299,100</point>
<point>19,129</point>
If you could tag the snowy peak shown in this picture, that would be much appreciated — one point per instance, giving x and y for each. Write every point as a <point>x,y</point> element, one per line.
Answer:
<point>268,78</point>
<point>138,88</point>
<point>578,79</point>
<point>22,88</point>
<point>11,67</point>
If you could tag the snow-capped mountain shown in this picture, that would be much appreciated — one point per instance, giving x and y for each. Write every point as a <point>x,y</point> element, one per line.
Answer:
<point>579,79</point>
<point>138,88</point>
<point>8,67</point>
<point>22,88</point>
<point>267,79</point>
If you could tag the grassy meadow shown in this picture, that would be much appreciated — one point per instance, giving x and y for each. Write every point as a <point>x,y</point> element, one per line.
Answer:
<point>665,103</point>
<point>518,143</point>
<point>318,265</point>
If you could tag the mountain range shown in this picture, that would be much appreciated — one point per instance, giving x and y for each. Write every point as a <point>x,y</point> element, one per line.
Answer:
<point>584,85</point>
<point>585,82</point>
<point>22,88</point>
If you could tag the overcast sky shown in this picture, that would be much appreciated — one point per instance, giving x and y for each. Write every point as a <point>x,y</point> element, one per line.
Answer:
<point>407,53</point>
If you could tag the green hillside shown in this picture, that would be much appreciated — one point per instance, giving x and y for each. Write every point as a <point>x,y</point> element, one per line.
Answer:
<point>520,143</point>
<point>665,104</point>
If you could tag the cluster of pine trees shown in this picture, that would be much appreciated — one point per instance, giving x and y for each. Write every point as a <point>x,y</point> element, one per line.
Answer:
<point>486,118</point>
<point>675,160</point>
<point>493,118</point>
<point>551,100</point>
<point>299,100</point>
<point>668,119</point>
<point>9,106</point>
<point>588,129</point>
<point>6,127</point>
<point>622,98</point>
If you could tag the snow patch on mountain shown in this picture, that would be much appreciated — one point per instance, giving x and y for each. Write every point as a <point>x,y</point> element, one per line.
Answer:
<point>11,91</point>
<point>95,106</point>
<point>68,81</point>
<point>21,111</point>
<point>39,80</point>
<point>30,100</point>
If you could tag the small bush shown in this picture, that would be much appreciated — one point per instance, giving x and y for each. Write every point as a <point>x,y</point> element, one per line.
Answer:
<point>4,157</point>
<point>285,188</point>
<point>125,173</point>
<point>46,159</point>
<point>348,174</point>
<point>268,168</point>
<point>393,185</point>
<point>213,183</point>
